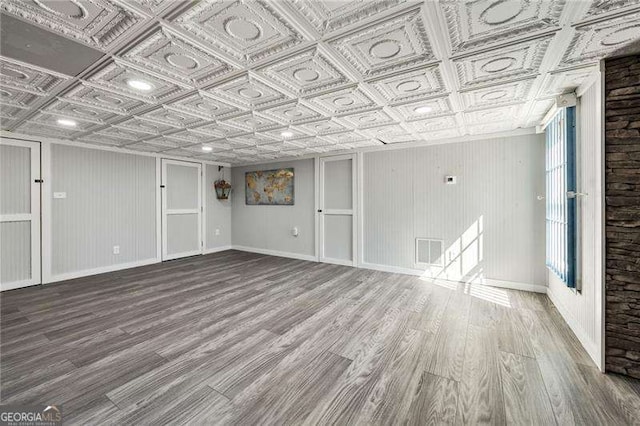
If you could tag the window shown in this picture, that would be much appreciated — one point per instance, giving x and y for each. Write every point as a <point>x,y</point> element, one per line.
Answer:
<point>560,195</point>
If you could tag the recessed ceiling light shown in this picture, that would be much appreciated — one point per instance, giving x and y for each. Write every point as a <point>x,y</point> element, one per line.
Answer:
<point>207,148</point>
<point>286,134</point>
<point>139,85</point>
<point>423,109</point>
<point>67,122</point>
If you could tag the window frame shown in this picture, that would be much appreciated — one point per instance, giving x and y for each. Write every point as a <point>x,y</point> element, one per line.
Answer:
<point>561,211</point>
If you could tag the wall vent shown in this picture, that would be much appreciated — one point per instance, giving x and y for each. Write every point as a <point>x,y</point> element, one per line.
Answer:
<point>429,252</point>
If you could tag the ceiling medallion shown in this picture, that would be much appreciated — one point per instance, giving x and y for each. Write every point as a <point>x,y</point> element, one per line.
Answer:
<point>108,99</point>
<point>343,101</point>
<point>621,35</point>
<point>367,118</point>
<point>84,112</point>
<point>494,95</point>
<point>385,49</point>
<point>306,75</point>
<point>242,29</point>
<point>502,11</point>
<point>13,73</point>
<point>499,64</point>
<point>66,8</point>
<point>293,113</point>
<point>408,86</point>
<point>206,106</point>
<point>249,93</point>
<point>181,61</point>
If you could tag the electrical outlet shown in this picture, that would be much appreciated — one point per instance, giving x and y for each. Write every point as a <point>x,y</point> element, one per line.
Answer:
<point>217,232</point>
<point>116,249</point>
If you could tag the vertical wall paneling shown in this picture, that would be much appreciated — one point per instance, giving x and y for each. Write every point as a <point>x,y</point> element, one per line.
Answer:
<point>582,310</point>
<point>268,228</point>
<point>110,201</point>
<point>217,212</point>
<point>490,220</point>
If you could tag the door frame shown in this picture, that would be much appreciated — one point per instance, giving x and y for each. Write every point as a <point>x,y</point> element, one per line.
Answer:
<point>164,211</point>
<point>321,211</point>
<point>34,217</point>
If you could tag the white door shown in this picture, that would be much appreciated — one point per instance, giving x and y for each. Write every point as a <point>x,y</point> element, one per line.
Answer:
<point>337,218</point>
<point>181,209</point>
<point>19,214</point>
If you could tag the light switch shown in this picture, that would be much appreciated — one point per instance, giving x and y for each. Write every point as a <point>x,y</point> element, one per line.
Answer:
<point>59,195</point>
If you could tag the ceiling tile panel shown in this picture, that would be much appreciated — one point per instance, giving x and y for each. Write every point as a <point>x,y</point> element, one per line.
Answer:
<point>119,77</point>
<point>80,125</point>
<point>433,124</point>
<point>125,135</point>
<point>169,54</point>
<point>102,99</point>
<point>204,105</point>
<point>422,83</point>
<point>98,23</point>
<point>343,101</point>
<point>220,130</point>
<point>145,126</point>
<point>323,127</point>
<point>248,30</point>
<point>10,96</point>
<point>507,93</point>
<point>475,24</point>
<point>252,122</point>
<point>40,129</point>
<point>423,109</point>
<point>172,118</point>
<point>364,120</point>
<point>329,15</point>
<point>73,110</point>
<point>508,63</point>
<point>27,77</point>
<point>248,92</point>
<point>388,45</point>
<point>307,72</point>
<point>389,134</point>
<point>593,41</point>
<point>493,114</point>
<point>559,82</point>
<point>293,113</point>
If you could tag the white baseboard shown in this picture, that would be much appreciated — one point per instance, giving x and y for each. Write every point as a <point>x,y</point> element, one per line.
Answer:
<point>512,285</point>
<point>17,284</point>
<point>100,270</point>
<point>276,253</point>
<point>590,346</point>
<point>217,249</point>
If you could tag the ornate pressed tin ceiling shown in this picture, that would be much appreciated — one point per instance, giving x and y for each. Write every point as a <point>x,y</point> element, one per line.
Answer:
<point>260,80</point>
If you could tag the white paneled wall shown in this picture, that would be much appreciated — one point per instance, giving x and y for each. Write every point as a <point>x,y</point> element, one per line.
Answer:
<point>218,212</point>
<point>491,222</point>
<point>583,310</point>
<point>268,228</point>
<point>110,201</point>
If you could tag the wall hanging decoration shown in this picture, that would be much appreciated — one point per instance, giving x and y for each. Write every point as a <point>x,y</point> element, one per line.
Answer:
<point>223,188</point>
<point>269,187</point>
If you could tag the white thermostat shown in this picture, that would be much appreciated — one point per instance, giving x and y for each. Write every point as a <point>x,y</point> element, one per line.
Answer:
<point>450,180</point>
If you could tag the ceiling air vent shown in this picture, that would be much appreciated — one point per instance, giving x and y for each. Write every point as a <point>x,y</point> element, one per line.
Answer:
<point>429,252</point>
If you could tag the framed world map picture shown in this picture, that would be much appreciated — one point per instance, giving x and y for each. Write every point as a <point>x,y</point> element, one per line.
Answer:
<point>269,187</point>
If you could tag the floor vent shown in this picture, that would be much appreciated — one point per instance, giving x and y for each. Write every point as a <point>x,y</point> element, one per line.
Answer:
<point>429,252</point>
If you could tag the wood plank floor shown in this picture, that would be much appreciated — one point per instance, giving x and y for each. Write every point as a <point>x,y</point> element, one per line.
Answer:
<point>239,338</point>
